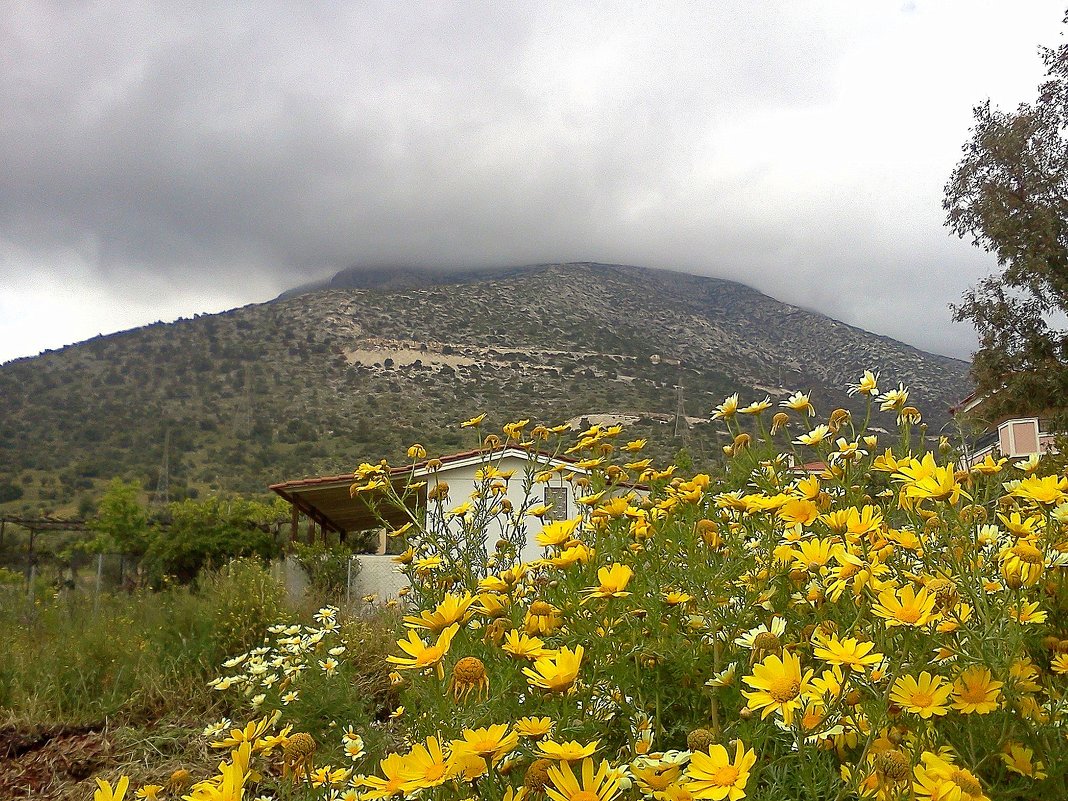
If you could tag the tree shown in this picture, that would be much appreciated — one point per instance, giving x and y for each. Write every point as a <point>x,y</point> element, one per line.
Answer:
<point>1009,193</point>
<point>121,523</point>
<point>211,532</point>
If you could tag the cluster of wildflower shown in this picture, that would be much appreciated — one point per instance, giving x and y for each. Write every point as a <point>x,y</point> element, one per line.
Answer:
<point>264,753</point>
<point>270,674</point>
<point>876,624</point>
<point>259,755</point>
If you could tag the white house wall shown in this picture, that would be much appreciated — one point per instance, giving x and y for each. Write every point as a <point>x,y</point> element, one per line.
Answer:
<point>463,484</point>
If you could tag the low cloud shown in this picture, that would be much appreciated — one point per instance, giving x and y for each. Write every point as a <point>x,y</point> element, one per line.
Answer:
<point>172,157</point>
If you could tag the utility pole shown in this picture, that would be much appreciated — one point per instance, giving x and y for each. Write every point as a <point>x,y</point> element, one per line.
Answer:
<point>243,422</point>
<point>682,426</point>
<point>163,486</point>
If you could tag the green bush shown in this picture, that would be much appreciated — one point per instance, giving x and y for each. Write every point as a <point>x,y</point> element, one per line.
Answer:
<point>209,532</point>
<point>9,492</point>
<point>121,523</point>
<point>246,599</point>
<point>327,567</point>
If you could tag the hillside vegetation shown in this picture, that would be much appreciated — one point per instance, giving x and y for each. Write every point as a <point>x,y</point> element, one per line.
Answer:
<point>320,380</point>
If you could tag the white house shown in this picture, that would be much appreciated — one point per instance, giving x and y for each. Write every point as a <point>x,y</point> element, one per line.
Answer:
<point>327,504</point>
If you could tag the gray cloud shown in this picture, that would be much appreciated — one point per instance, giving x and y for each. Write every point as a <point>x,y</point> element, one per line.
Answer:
<point>249,147</point>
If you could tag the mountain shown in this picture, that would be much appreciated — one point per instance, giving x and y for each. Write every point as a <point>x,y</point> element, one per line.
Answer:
<point>322,378</point>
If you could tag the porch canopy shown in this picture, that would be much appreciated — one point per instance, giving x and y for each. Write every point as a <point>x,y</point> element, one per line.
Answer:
<point>326,500</point>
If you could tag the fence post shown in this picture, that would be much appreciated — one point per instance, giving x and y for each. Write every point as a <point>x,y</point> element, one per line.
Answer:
<point>99,579</point>
<point>348,583</point>
<point>33,580</point>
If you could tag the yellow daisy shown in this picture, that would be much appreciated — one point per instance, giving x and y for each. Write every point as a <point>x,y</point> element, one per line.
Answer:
<point>613,580</point>
<point>849,652</point>
<point>542,618</point>
<point>975,691</point>
<point>452,609</point>
<point>654,776</point>
<point>778,684</point>
<point>555,672</point>
<point>571,751</point>
<point>924,696</point>
<point>426,766</point>
<point>557,532</point>
<point>533,727</point>
<point>799,402</point>
<point>715,776</point>
<point>523,646</point>
<point>940,780</point>
<point>490,742</point>
<point>422,655</point>
<point>905,607</point>
<point>600,785</point>
<point>105,792</point>
<point>1047,490</point>
<point>1021,759</point>
<point>727,409</point>
<point>375,787</point>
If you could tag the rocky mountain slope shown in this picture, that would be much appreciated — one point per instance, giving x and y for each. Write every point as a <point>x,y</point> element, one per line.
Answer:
<point>320,379</point>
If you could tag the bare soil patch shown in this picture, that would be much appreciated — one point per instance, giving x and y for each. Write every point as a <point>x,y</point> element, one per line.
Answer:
<point>49,762</point>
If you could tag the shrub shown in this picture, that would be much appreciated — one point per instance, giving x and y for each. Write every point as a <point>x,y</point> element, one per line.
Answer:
<point>121,522</point>
<point>9,492</point>
<point>327,568</point>
<point>202,533</point>
<point>246,600</point>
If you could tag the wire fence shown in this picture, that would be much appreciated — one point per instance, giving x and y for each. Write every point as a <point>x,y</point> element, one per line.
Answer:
<point>29,579</point>
<point>379,578</point>
<point>370,579</point>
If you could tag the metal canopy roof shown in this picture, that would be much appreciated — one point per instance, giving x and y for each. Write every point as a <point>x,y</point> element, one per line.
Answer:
<point>327,501</point>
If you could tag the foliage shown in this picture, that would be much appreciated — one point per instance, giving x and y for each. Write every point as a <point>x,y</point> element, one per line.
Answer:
<point>249,599</point>
<point>327,567</point>
<point>274,391</point>
<point>211,531</point>
<point>1010,194</point>
<point>888,627</point>
<point>9,491</point>
<point>129,654</point>
<point>121,522</point>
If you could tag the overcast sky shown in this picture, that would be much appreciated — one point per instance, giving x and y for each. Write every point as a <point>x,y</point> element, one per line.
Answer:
<point>157,162</point>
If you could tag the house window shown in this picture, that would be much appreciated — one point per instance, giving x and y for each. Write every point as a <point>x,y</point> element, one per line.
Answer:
<point>557,496</point>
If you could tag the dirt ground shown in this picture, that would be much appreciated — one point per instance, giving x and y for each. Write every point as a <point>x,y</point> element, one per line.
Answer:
<point>51,764</point>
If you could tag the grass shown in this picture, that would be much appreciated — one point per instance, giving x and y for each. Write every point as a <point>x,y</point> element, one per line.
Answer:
<point>120,686</point>
<point>75,662</point>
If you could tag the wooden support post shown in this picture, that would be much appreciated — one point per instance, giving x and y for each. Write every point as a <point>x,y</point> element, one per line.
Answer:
<point>29,554</point>
<point>294,522</point>
<point>310,533</point>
